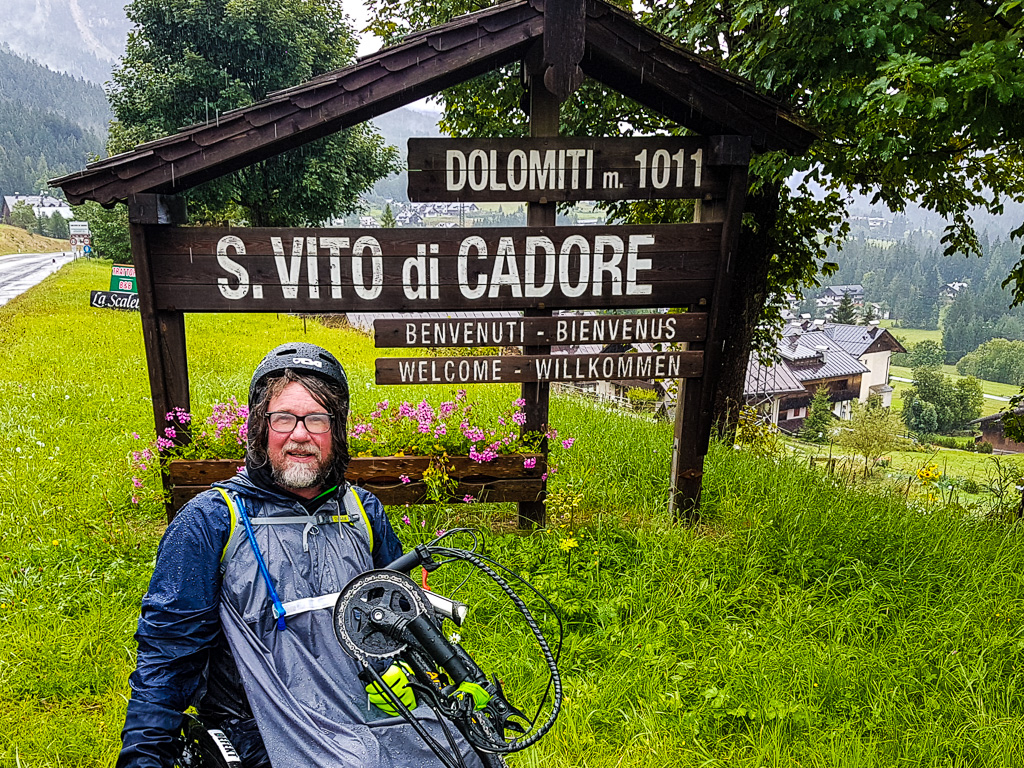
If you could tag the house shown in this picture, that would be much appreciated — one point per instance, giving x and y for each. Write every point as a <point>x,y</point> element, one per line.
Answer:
<point>836,293</point>
<point>852,361</point>
<point>992,432</point>
<point>951,290</point>
<point>42,205</point>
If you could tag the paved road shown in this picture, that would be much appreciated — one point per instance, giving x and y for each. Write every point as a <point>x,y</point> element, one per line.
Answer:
<point>987,397</point>
<point>21,271</point>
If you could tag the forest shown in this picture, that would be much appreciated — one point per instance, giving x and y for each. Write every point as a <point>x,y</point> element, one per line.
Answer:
<point>913,279</point>
<point>50,124</point>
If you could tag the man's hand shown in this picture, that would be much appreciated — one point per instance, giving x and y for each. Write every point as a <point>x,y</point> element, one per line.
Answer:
<point>397,678</point>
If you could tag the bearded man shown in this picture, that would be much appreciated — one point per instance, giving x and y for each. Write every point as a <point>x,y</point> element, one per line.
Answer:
<point>237,621</point>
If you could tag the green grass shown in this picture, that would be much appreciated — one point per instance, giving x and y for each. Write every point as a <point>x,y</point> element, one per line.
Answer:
<point>805,623</point>
<point>909,336</point>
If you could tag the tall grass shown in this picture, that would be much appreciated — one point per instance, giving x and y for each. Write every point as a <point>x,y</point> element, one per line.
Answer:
<point>804,623</point>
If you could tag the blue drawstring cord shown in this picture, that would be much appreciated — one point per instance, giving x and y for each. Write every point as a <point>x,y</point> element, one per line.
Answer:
<point>278,607</point>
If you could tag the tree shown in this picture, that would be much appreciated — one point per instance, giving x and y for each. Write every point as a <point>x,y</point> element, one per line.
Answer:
<point>817,427</point>
<point>955,403</point>
<point>926,354</point>
<point>187,62</point>
<point>996,360</point>
<point>846,313</point>
<point>23,215</point>
<point>872,432</point>
<point>868,314</point>
<point>913,104</point>
<point>387,219</point>
<point>920,417</point>
<point>59,227</point>
<point>109,229</point>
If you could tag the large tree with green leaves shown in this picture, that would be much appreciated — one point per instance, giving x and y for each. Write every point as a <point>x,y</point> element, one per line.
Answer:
<point>913,102</point>
<point>189,62</point>
<point>846,312</point>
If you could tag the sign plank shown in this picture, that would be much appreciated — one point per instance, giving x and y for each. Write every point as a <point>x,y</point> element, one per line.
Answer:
<point>547,170</point>
<point>512,368</point>
<point>547,331</point>
<point>375,270</point>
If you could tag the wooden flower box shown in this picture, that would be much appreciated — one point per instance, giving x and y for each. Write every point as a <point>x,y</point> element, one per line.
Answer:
<point>503,479</point>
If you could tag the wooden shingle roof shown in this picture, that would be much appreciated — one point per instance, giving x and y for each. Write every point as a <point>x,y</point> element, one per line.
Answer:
<point>619,52</point>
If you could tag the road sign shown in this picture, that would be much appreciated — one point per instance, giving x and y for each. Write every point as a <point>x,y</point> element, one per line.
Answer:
<point>87,249</point>
<point>78,227</point>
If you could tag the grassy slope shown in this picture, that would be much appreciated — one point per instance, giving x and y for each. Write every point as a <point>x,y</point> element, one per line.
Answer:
<point>807,624</point>
<point>17,240</point>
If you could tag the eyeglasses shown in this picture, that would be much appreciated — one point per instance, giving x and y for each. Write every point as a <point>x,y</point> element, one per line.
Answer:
<point>315,423</point>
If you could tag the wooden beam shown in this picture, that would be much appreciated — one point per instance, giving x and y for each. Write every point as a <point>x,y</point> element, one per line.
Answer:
<point>163,330</point>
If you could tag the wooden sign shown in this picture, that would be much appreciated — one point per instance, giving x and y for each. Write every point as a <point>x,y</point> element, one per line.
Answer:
<point>517,331</point>
<point>543,368</point>
<point>566,169</point>
<point>391,270</point>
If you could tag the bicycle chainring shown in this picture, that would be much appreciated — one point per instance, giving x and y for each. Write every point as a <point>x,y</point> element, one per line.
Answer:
<point>391,591</point>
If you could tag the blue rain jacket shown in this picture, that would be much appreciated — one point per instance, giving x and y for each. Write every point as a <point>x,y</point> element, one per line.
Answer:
<point>183,656</point>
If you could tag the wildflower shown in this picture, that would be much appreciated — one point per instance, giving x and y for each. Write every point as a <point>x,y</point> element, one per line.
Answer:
<point>423,523</point>
<point>171,432</point>
<point>440,430</point>
<point>136,435</point>
<point>544,476</point>
<point>468,499</point>
<point>520,403</point>
<point>567,443</point>
<point>566,544</point>
<point>519,418</point>
<point>135,499</point>
<point>530,463</point>
<point>406,520</point>
<point>137,482</point>
<point>440,532</point>
<point>404,478</point>
<point>56,543</point>
<point>455,637</point>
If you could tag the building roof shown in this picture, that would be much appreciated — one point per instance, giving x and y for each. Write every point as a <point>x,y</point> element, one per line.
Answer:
<point>770,380</point>
<point>840,289</point>
<point>856,339</point>
<point>46,205</point>
<point>616,51</point>
<point>815,355</point>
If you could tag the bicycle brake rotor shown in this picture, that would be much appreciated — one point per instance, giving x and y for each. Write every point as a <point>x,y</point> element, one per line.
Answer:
<point>388,590</point>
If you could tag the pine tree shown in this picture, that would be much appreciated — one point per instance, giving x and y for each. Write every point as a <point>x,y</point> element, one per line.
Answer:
<point>387,219</point>
<point>817,426</point>
<point>846,313</point>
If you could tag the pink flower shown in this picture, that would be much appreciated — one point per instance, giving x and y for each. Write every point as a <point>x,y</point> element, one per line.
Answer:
<point>544,476</point>
<point>135,499</point>
<point>567,443</point>
<point>519,418</point>
<point>440,532</point>
<point>468,499</point>
<point>529,463</point>
<point>404,478</point>
<point>440,430</point>
<point>423,523</point>
<point>447,408</point>
<point>406,520</point>
<point>136,482</point>
<point>171,432</point>
<point>136,435</point>
<point>551,434</point>
<point>520,403</point>
<point>163,444</point>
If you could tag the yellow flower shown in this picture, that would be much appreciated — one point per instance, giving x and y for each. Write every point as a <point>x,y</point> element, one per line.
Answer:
<point>566,544</point>
<point>56,543</point>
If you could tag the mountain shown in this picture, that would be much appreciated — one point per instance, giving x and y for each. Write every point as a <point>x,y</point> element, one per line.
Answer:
<point>81,37</point>
<point>50,124</point>
<point>397,127</point>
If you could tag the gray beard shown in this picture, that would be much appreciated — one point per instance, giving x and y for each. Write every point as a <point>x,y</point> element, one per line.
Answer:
<point>300,476</point>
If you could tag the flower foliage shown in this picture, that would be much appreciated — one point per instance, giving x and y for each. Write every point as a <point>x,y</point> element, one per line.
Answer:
<point>451,428</point>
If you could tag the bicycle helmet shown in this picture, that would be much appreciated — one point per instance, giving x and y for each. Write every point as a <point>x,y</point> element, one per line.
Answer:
<point>300,356</point>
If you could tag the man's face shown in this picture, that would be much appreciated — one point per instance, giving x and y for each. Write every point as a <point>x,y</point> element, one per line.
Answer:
<point>299,459</point>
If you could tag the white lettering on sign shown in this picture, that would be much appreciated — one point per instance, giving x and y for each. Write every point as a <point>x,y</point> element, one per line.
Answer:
<point>540,170</point>
<point>579,265</point>
<point>232,267</point>
<point>443,333</point>
<point>614,328</point>
<point>451,371</point>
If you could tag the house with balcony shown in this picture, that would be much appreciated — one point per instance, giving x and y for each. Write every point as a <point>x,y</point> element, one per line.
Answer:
<point>851,361</point>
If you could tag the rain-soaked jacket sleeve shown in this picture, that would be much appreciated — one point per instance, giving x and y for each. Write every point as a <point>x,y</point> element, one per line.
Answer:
<point>386,546</point>
<point>178,625</point>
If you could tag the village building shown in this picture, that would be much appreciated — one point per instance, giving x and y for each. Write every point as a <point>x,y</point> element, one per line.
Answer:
<point>851,361</point>
<point>42,205</point>
<point>992,432</point>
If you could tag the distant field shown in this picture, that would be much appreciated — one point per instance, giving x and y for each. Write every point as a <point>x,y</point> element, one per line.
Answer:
<point>988,387</point>
<point>908,336</point>
<point>17,240</point>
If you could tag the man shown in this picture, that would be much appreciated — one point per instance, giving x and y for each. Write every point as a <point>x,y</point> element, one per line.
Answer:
<point>238,618</point>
